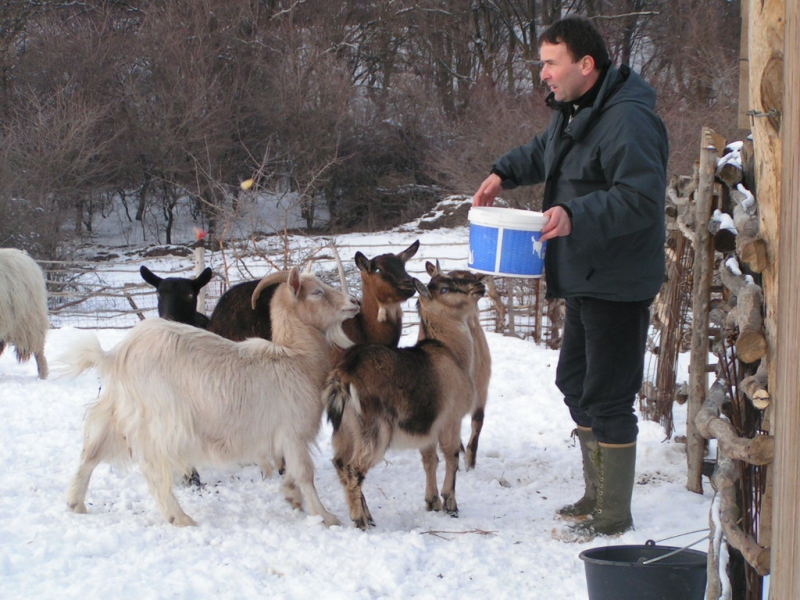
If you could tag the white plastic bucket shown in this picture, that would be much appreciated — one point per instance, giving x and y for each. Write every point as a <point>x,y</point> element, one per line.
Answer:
<point>505,241</point>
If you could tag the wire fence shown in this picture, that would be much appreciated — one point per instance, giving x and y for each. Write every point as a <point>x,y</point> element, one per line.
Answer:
<point>107,291</point>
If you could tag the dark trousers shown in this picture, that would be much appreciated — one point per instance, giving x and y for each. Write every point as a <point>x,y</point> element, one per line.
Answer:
<point>601,365</point>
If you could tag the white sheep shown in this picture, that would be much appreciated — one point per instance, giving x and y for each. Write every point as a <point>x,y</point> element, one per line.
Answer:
<point>174,396</point>
<point>23,307</point>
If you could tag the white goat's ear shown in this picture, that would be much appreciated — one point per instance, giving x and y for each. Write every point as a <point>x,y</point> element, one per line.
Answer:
<point>294,281</point>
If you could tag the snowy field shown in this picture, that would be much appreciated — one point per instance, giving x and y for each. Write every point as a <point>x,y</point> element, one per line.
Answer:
<point>249,543</point>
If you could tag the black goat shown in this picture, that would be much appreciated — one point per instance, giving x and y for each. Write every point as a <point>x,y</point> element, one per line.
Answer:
<point>177,296</point>
<point>237,317</point>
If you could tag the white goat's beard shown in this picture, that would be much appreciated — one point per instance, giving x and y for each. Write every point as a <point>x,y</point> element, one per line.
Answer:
<point>336,336</point>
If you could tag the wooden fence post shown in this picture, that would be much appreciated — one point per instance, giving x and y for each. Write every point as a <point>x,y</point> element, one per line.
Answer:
<point>701,296</point>
<point>199,265</point>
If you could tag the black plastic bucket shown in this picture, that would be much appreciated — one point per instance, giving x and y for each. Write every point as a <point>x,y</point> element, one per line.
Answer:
<point>620,573</point>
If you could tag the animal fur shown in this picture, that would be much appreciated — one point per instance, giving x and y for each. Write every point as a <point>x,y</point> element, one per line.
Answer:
<point>177,296</point>
<point>474,285</point>
<point>174,396</point>
<point>24,319</point>
<point>379,397</point>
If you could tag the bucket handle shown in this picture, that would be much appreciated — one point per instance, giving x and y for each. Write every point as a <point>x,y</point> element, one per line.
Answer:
<point>674,552</point>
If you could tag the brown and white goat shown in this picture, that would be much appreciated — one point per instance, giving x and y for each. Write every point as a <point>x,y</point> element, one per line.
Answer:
<point>174,396</point>
<point>379,398</point>
<point>473,285</point>
<point>385,285</point>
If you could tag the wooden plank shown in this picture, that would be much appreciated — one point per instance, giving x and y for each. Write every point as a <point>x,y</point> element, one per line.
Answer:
<point>785,567</point>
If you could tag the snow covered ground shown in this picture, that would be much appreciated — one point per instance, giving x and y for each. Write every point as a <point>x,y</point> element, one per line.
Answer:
<point>249,543</point>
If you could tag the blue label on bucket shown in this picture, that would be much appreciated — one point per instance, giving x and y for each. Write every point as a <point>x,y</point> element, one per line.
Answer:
<point>506,251</point>
<point>482,248</point>
<point>523,253</point>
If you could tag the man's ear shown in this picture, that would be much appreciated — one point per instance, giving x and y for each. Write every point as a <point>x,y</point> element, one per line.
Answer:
<point>587,64</point>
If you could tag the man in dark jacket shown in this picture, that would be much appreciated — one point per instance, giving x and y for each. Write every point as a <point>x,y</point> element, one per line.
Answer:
<point>603,161</point>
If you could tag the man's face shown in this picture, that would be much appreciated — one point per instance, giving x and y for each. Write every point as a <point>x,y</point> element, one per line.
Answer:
<point>567,79</point>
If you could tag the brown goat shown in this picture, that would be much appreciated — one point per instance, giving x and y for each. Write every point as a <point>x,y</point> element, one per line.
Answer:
<point>474,285</point>
<point>385,285</point>
<point>380,397</point>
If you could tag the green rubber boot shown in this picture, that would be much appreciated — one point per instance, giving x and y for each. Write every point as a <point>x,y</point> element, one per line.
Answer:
<point>615,478</point>
<point>586,505</point>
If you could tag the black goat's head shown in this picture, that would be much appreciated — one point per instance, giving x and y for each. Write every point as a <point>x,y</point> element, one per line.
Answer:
<point>177,296</point>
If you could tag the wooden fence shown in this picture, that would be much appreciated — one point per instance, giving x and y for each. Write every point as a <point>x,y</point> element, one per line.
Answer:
<point>712,304</point>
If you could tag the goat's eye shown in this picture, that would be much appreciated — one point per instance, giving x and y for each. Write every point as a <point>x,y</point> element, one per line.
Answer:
<point>444,290</point>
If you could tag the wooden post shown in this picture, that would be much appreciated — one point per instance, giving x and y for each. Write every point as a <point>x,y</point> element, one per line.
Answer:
<point>744,68</point>
<point>701,296</point>
<point>785,579</point>
<point>199,265</point>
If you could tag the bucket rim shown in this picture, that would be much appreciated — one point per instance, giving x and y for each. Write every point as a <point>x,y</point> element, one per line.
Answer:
<point>586,557</point>
<point>510,218</point>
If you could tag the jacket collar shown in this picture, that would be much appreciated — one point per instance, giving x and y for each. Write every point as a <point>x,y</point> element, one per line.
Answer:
<point>590,104</point>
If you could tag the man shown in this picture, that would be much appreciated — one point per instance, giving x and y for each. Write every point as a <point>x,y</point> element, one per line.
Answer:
<point>603,162</point>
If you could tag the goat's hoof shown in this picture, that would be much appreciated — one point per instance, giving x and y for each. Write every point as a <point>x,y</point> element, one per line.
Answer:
<point>330,520</point>
<point>363,524</point>
<point>193,479</point>
<point>434,504</point>
<point>182,521</point>
<point>77,507</point>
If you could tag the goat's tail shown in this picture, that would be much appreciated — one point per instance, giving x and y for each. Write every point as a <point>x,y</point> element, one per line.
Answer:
<point>86,353</point>
<point>337,394</point>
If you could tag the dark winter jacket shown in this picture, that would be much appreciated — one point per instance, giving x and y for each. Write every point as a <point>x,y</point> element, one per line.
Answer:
<point>607,168</point>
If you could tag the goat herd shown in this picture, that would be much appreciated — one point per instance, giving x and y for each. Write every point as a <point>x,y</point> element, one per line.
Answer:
<point>249,384</point>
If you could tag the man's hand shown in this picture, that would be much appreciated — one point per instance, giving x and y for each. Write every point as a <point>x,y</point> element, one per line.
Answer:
<point>558,224</point>
<point>488,191</point>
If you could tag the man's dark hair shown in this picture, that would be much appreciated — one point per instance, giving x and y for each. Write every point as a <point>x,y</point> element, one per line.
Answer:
<point>581,37</point>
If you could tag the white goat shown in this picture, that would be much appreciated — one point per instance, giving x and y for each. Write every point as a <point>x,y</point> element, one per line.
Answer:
<point>175,396</point>
<point>379,397</point>
<point>23,307</point>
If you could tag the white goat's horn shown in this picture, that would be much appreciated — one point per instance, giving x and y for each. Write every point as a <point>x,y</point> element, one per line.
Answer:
<point>340,268</point>
<point>279,277</point>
